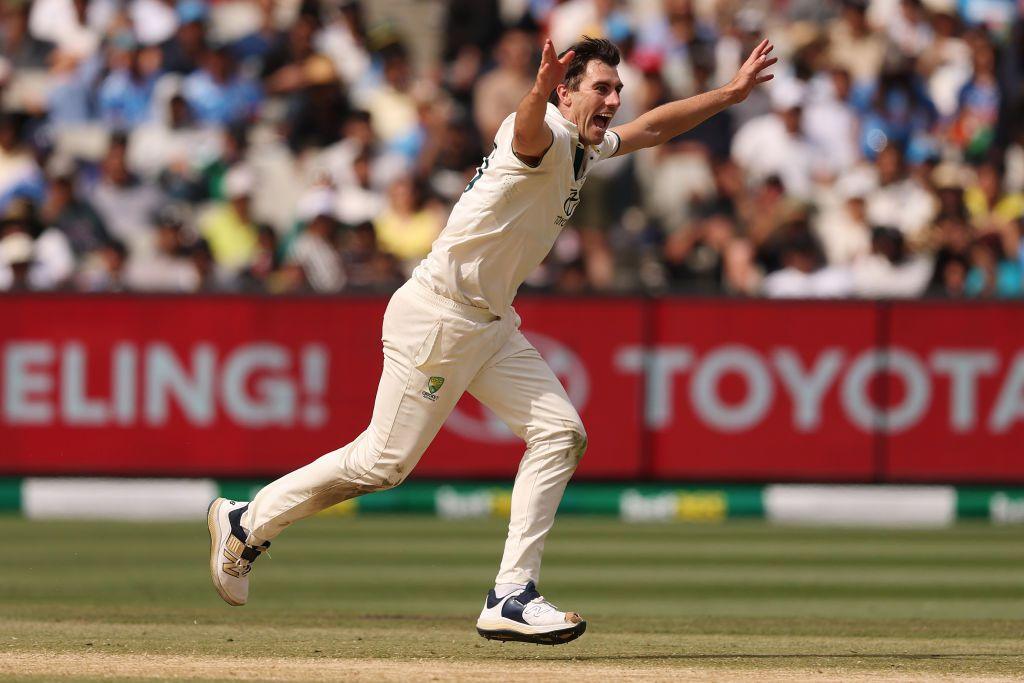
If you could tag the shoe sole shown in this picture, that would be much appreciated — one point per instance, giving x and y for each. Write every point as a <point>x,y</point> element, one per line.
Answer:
<point>211,523</point>
<point>565,635</point>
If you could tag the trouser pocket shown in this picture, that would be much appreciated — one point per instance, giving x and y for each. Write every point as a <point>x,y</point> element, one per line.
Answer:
<point>430,350</point>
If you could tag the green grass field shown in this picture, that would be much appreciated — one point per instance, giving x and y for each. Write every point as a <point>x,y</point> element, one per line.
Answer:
<point>396,598</point>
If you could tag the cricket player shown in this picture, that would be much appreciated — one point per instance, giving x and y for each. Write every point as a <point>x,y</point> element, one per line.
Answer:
<point>451,329</point>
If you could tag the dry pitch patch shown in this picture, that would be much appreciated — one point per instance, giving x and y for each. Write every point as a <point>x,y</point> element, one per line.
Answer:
<point>395,599</point>
<point>49,666</point>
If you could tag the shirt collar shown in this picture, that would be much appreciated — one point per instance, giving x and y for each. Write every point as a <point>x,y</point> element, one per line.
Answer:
<point>569,125</point>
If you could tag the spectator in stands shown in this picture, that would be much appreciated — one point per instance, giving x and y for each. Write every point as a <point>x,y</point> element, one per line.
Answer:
<point>125,95</point>
<point>694,257</point>
<point>854,46</point>
<point>218,93</point>
<point>598,259</point>
<point>20,175</point>
<point>16,258</point>
<point>952,278</point>
<point>71,98</point>
<point>898,199</point>
<point>992,274</point>
<point>803,275</point>
<point>316,252</point>
<point>450,157</point>
<point>124,202</point>
<point>31,257</point>
<point>765,218</point>
<point>973,127</point>
<point>990,206</point>
<point>365,265</point>
<point>409,222</point>
<point>571,20</point>
<point>470,23</point>
<point>233,151</point>
<point>715,134</point>
<point>830,122</point>
<point>75,27</point>
<point>950,239</point>
<point>265,262</point>
<point>945,63</point>
<point>907,27</point>
<point>843,230</point>
<point>895,112</point>
<point>740,273</point>
<point>103,270</point>
<point>334,164</point>
<point>391,106</point>
<point>357,201</point>
<point>254,46</point>
<point>343,41</point>
<point>74,216</point>
<point>775,144</point>
<point>671,37</point>
<point>20,49</point>
<point>228,227</point>
<point>168,268</point>
<point>153,21</point>
<point>889,271</point>
<point>315,103</point>
<point>172,150</point>
<point>213,277</point>
<point>872,96</point>
<point>181,54</point>
<point>498,92</point>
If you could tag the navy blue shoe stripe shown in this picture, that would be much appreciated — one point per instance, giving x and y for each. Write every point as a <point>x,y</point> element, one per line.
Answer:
<point>514,606</point>
<point>235,518</point>
<point>513,609</point>
<point>529,593</point>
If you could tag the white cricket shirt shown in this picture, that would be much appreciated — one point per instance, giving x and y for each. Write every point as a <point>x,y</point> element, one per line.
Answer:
<point>507,219</point>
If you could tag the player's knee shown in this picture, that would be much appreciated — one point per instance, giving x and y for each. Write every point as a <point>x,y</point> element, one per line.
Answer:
<point>578,436</point>
<point>574,437</point>
<point>376,470</point>
<point>387,477</point>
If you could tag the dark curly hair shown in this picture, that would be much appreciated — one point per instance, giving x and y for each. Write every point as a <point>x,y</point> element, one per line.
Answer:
<point>587,49</point>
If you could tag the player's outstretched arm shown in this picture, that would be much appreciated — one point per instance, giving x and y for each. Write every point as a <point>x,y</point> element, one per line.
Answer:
<point>532,137</point>
<point>663,123</point>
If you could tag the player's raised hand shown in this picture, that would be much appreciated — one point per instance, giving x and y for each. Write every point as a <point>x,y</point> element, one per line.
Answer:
<point>552,69</point>
<point>751,73</point>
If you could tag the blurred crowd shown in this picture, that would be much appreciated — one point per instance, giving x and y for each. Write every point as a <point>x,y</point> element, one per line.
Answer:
<point>317,146</point>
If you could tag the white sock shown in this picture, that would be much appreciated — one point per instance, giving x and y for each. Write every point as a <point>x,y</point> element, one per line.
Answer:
<point>503,589</point>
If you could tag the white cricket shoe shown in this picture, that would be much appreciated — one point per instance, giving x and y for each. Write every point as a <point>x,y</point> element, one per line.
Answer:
<point>230,557</point>
<point>526,616</point>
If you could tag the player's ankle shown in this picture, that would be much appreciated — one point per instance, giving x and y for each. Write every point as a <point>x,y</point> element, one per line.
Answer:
<point>503,589</point>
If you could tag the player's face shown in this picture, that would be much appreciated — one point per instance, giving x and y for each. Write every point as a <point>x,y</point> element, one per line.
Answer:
<point>592,107</point>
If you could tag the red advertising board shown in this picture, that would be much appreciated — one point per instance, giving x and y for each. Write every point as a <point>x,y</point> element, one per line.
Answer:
<point>679,389</point>
<point>239,386</point>
<point>752,390</point>
<point>170,386</point>
<point>579,338</point>
<point>963,393</point>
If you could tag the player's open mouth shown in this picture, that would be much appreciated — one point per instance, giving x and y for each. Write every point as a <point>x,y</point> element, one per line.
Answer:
<point>602,121</point>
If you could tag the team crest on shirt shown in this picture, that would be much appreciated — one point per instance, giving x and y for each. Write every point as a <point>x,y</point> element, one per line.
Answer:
<point>434,385</point>
<point>571,202</point>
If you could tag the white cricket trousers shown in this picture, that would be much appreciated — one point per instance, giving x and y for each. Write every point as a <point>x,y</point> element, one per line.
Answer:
<point>434,350</point>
